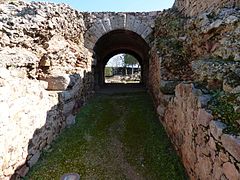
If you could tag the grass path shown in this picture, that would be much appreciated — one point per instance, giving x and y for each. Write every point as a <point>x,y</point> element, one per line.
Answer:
<point>116,137</point>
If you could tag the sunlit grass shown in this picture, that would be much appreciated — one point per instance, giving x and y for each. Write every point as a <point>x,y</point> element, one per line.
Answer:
<point>112,133</point>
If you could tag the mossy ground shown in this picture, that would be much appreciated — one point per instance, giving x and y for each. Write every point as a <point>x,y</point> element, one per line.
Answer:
<point>115,137</point>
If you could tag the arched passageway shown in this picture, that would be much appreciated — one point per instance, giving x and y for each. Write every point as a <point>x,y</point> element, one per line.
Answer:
<point>116,42</point>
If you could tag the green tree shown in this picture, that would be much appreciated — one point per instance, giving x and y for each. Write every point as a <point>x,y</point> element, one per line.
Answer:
<point>108,71</point>
<point>129,60</point>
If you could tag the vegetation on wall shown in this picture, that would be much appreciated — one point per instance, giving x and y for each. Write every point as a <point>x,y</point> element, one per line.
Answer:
<point>225,108</point>
<point>170,42</point>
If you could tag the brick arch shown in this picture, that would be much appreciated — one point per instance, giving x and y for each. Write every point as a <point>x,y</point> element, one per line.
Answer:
<point>120,21</point>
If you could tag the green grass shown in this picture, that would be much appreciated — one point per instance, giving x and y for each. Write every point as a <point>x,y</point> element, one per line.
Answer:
<point>115,137</point>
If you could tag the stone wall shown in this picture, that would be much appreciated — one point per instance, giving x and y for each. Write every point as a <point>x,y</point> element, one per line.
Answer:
<point>202,51</point>
<point>45,77</point>
<point>195,7</point>
<point>207,152</point>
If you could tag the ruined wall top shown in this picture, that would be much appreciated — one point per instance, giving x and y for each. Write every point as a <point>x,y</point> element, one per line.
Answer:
<point>196,7</point>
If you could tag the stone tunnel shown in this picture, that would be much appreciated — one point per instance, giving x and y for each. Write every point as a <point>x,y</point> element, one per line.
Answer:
<point>53,57</point>
<point>116,42</point>
<point>114,33</point>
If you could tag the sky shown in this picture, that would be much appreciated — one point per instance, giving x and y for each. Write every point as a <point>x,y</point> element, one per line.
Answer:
<point>115,61</point>
<point>116,5</point>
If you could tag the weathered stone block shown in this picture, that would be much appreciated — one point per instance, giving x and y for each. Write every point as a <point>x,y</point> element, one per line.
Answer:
<point>168,87</point>
<point>93,31</point>
<point>146,33</point>
<point>230,171</point>
<point>216,129</point>
<point>34,159</point>
<point>136,25</point>
<point>100,27</point>
<point>4,73</point>
<point>118,21</point>
<point>68,107</point>
<point>107,24</point>
<point>142,27</point>
<point>232,145</point>
<point>9,171</point>
<point>17,56</point>
<point>223,157</point>
<point>130,19</point>
<point>71,120</point>
<point>204,117</point>
<point>57,82</point>
<point>204,99</point>
<point>23,171</point>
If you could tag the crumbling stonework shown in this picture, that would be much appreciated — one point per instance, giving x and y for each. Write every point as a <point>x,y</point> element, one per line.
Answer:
<point>207,152</point>
<point>203,51</point>
<point>45,77</point>
<point>194,7</point>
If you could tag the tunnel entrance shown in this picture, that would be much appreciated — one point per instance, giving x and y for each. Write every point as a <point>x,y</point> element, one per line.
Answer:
<point>123,69</point>
<point>120,42</point>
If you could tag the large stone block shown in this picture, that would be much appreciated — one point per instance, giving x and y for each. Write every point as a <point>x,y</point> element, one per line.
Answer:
<point>130,19</point>
<point>34,159</point>
<point>142,27</point>
<point>216,129</point>
<point>4,73</point>
<point>230,171</point>
<point>100,27</point>
<point>68,107</point>
<point>71,120</point>
<point>168,87</point>
<point>204,117</point>
<point>17,56</point>
<point>57,82</point>
<point>94,32</point>
<point>232,145</point>
<point>23,171</point>
<point>118,21</point>
<point>147,32</point>
<point>107,24</point>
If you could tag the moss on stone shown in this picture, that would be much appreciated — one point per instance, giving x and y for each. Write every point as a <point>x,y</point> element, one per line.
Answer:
<point>170,42</point>
<point>222,106</point>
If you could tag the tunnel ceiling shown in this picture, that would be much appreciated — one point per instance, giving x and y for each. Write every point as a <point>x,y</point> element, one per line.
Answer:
<point>121,41</point>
